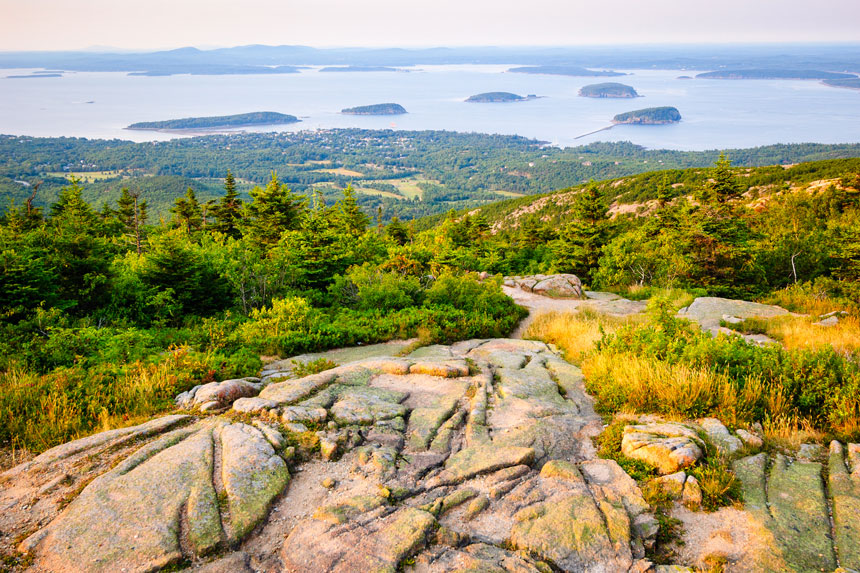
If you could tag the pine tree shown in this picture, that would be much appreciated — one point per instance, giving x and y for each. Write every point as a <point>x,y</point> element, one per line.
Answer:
<point>228,211</point>
<point>187,212</point>
<point>273,210</point>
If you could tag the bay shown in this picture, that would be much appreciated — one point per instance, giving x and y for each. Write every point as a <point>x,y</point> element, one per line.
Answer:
<point>716,114</point>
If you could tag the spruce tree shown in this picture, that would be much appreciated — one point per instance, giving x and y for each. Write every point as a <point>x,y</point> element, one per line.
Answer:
<point>580,241</point>
<point>273,210</point>
<point>187,212</point>
<point>228,211</point>
<point>349,215</point>
<point>131,213</point>
<point>723,185</point>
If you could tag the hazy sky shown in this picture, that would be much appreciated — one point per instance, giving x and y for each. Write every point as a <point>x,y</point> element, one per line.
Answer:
<point>156,24</point>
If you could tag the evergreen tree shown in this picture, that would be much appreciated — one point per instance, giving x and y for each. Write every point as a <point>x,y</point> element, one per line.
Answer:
<point>397,231</point>
<point>723,185</point>
<point>318,249</point>
<point>273,210</point>
<point>349,214</point>
<point>579,243</point>
<point>132,215</point>
<point>228,211</point>
<point>72,209</point>
<point>187,212</point>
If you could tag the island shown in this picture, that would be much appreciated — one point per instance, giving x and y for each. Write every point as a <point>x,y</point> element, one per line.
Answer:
<point>557,70</point>
<point>649,116</point>
<point>218,122</point>
<point>34,75</point>
<point>375,109</point>
<point>361,69</point>
<point>608,90</point>
<point>498,97</point>
<point>684,77</point>
<point>774,74</point>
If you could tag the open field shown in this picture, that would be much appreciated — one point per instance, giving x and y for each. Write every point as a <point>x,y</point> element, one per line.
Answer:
<point>88,176</point>
<point>340,171</point>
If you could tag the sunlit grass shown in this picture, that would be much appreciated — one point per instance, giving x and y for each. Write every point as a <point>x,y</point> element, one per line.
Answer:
<point>574,333</point>
<point>799,332</point>
<point>40,411</point>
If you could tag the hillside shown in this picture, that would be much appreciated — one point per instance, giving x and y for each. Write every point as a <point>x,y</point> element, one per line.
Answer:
<point>389,169</point>
<point>216,122</point>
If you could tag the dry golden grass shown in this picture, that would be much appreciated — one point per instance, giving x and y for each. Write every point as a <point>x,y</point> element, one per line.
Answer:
<point>629,383</point>
<point>801,332</point>
<point>574,333</point>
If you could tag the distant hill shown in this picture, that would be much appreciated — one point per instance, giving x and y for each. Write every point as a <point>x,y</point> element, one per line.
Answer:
<point>563,71</point>
<point>215,122</point>
<point>649,116</point>
<point>608,90</point>
<point>775,74</point>
<point>375,109</point>
<point>498,97</point>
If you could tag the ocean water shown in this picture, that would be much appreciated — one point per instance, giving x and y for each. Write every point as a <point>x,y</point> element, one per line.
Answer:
<point>716,113</point>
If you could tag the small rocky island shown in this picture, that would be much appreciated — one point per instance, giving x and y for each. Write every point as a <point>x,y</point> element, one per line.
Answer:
<point>499,97</point>
<point>218,122</point>
<point>608,90</point>
<point>375,109</point>
<point>649,116</point>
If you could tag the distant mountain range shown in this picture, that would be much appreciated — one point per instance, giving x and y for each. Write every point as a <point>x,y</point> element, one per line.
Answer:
<point>288,59</point>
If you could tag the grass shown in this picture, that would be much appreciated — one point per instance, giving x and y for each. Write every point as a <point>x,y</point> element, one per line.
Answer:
<point>371,191</point>
<point>798,332</point>
<point>41,411</point>
<point>340,171</point>
<point>88,176</point>
<point>575,333</point>
<point>631,383</point>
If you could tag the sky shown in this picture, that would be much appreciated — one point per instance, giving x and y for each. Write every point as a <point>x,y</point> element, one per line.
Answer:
<point>162,24</point>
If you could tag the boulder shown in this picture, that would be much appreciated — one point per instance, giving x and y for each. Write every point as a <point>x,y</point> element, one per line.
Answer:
<point>218,395</point>
<point>720,436</point>
<point>708,311</point>
<point>667,446</point>
<point>557,286</point>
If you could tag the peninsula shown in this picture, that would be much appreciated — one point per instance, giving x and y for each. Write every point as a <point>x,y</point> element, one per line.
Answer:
<point>499,97</point>
<point>561,70</point>
<point>775,74</point>
<point>649,116</point>
<point>218,122</point>
<point>360,69</point>
<point>608,90</point>
<point>850,83</point>
<point>375,109</point>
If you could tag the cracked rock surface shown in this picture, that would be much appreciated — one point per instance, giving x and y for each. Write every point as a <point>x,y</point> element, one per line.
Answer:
<point>475,456</point>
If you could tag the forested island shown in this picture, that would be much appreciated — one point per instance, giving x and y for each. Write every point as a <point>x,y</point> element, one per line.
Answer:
<point>608,90</point>
<point>360,69</point>
<point>649,116</point>
<point>561,70</point>
<point>498,97</point>
<point>375,109</point>
<point>774,74</point>
<point>216,122</point>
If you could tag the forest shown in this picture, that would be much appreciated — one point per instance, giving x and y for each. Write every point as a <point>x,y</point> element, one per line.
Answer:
<point>405,174</point>
<point>107,313</point>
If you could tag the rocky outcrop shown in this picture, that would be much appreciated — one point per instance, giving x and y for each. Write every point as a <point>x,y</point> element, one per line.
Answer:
<point>709,311</point>
<point>474,455</point>
<point>668,446</point>
<point>557,286</point>
<point>792,500</point>
<point>218,395</point>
